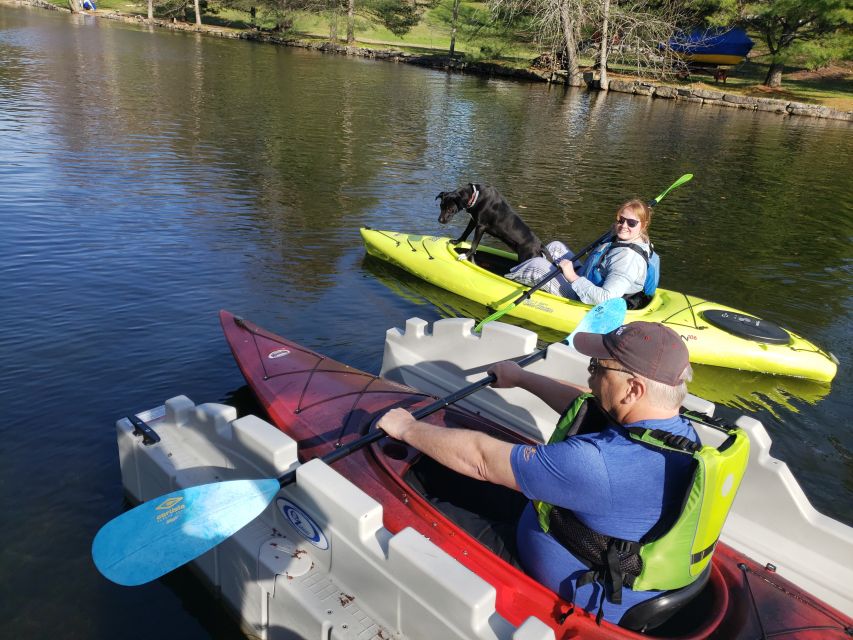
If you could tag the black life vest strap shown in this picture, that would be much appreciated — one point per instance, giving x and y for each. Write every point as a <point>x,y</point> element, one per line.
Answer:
<point>633,247</point>
<point>670,440</point>
<point>640,299</point>
<point>612,562</point>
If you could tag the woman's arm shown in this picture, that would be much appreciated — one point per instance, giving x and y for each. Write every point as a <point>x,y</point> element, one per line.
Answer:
<point>625,268</point>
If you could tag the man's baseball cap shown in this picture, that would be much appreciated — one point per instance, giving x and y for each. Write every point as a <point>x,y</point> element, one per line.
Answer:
<point>649,349</point>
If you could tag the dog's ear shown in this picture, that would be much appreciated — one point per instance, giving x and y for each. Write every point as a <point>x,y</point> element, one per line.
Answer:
<point>441,195</point>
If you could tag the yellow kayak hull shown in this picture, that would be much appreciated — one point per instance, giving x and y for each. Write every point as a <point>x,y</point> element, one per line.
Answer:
<point>435,260</point>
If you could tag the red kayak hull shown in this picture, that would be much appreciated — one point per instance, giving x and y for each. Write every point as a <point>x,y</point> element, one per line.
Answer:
<point>323,404</point>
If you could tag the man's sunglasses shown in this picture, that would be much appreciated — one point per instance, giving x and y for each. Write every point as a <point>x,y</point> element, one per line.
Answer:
<point>630,222</point>
<point>595,365</point>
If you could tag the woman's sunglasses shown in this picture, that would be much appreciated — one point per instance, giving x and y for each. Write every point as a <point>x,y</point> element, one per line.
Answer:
<point>595,365</point>
<point>630,222</point>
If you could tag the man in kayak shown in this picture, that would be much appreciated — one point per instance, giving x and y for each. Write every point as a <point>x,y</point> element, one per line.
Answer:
<point>615,268</point>
<point>600,483</point>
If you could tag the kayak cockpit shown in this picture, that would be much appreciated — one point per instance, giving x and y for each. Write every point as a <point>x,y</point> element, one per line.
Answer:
<point>500,262</point>
<point>489,514</point>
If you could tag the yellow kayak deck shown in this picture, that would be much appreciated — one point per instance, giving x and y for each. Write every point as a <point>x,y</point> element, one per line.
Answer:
<point>436,260</point>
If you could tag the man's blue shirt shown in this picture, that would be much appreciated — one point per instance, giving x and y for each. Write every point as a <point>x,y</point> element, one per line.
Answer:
<point>613,484</point>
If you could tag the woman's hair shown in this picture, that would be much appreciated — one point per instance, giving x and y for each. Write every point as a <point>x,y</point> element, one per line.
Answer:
<point>642,211</point>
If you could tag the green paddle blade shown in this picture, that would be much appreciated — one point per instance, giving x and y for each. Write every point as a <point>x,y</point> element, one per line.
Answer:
<point>160,535</point>
<point>687,177</point>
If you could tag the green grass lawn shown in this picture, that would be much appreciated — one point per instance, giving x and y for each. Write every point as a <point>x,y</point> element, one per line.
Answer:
<point>487,41</point>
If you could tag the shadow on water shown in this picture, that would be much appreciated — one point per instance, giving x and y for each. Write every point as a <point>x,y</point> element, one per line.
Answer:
<point>744,390</point>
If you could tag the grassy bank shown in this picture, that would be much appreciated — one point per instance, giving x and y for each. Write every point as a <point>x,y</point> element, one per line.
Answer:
<point>489,42</point>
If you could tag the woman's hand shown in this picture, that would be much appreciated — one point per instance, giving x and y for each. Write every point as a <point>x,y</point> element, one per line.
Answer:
<point>568,270</point>
<point>396,422</point>
<point>507,374</point>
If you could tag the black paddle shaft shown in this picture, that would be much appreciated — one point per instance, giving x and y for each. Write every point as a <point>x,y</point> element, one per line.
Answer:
<point>423,412</point>
<point>526,295</point>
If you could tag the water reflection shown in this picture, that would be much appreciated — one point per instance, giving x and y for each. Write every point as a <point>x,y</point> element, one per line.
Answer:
<point>751,391</point>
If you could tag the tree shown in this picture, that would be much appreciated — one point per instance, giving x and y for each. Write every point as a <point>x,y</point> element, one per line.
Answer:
<point>453,27</point>
<point>813,31</point>
<point>334,14</point>
<point>557,25</point>
<point>571,19</point>
<point>628,32</point>
<point>636,30</point>
<point>605,40</point>
<point>398,16</point>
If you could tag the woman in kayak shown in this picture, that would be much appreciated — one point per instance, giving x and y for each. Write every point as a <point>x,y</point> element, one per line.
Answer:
<point>615,269</point>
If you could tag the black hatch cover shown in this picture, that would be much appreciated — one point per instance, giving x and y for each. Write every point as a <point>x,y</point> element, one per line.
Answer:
<point>748,327</point>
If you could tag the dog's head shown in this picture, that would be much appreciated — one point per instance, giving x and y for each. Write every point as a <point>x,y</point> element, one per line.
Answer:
<point>451,202</point>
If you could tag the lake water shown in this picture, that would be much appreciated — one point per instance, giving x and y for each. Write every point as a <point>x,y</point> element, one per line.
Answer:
<point>148,179</point>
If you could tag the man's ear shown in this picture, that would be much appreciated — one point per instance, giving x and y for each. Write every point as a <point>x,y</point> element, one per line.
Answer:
<point>636,390</point>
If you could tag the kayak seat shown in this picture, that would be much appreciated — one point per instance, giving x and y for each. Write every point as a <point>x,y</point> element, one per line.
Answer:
<point>656,611</point>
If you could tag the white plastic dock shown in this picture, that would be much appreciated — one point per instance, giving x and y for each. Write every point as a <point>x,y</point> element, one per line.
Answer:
<point>317,563</point>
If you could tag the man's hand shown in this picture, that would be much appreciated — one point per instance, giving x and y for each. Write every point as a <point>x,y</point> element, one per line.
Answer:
<point>396,422</point>
<point>507,374</point>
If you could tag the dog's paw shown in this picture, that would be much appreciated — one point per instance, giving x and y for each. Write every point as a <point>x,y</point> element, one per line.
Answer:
<point>462,256</point>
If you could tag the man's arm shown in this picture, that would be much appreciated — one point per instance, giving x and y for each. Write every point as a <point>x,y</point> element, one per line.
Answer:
<point>555,393</point>
<point>470,453</point>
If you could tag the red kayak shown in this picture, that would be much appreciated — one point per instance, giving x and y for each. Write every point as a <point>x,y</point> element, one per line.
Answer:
<point>324,405</point>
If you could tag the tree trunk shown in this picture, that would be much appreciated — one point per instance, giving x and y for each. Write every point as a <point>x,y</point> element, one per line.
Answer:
<point>197,13</point>
<point>350,23</point>
<point>774,75</point>
<point>574,78</point>
<point>150,9</point>
<point>605,43</point>
<point>453,27</point>
<point>76,6</point>
<point>333,23</point>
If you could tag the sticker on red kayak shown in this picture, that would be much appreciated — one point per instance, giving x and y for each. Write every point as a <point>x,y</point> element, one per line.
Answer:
<point>303,523</point>
<point>278,353</point>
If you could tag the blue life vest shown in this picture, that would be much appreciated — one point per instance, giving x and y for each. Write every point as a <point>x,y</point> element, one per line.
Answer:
<point>593,268</point>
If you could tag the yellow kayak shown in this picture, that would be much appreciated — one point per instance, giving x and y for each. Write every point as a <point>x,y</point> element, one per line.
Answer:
<point>715,334</point>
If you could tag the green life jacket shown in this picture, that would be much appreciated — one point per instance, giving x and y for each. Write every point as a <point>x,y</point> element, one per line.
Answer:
<point>661,560</point>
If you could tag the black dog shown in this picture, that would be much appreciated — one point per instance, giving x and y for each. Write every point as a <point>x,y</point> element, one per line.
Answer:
<point>489,213</point>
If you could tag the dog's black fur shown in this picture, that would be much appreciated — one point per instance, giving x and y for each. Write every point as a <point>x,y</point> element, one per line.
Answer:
<point>491,214</point>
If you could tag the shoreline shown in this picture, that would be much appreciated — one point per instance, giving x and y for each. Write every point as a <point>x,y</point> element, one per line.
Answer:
<point>690,95</point>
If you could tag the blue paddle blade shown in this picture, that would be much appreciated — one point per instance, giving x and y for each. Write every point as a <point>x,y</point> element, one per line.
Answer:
<point>160,535</point>
<point>602,318</point>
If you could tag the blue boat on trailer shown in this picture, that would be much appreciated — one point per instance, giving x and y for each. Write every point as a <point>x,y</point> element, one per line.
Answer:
<point>712,47</point>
